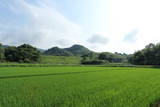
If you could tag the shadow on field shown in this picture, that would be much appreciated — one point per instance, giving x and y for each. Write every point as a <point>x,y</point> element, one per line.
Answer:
<point>36,75</point>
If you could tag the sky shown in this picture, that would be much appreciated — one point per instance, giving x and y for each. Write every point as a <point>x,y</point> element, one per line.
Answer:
<point>101,25</point>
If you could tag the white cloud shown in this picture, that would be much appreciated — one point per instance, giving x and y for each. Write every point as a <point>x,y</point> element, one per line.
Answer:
<point>43,27</point>
<point>98,39</point>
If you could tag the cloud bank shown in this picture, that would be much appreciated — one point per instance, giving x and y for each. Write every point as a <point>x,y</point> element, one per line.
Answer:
<point>43,26</point>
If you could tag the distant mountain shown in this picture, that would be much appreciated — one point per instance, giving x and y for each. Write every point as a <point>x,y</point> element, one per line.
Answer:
<point>55,51</point>
<point>75,50</point>
<point>78,50</point>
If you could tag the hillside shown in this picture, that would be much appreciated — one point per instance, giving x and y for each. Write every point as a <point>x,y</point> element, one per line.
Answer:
<point>78,50</point>
<point>75,50</point>
<point>55,51</point>
<point>87,56</point>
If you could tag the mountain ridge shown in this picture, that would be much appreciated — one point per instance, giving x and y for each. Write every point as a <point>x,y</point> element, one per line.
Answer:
<point>56,51</point>
<point>74,50</point>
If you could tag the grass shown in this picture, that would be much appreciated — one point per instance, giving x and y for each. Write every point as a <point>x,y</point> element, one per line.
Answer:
<point>79,86</point>
<point>47,61</point>
<point>60,60</point>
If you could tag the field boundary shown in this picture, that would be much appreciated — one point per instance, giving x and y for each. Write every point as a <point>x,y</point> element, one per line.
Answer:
<point>53,74</point>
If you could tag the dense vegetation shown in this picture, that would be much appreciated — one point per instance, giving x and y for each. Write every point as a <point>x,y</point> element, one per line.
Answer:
<point>75,50</point>
<point>1,53</point>
<point>55,51</point>
<point>103,58</point>
<point>78,87</point>
<point>88,56</point>
<point>112,58</point>
<point>150,55</point>
<point>28,54</point>
<point>24,53</point>
<point>78,50</point>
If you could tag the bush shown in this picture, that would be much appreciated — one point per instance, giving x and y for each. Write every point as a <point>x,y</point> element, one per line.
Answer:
<point>94,62</point>
<point>112,58</point>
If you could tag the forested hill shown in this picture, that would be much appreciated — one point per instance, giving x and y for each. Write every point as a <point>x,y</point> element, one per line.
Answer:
<point>150,55</point>
<point>75,50</point>
<point>55,51</point>
<point>88,56</point>
<point>29,54</point>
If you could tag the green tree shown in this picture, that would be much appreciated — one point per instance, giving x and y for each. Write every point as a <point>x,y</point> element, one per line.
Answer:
<point>138,58</point>
<point>24,53</point>
<point>150,55</point>
<point>11,54</point>
<point>1,53</point>
<point>102,56</point>
<point>156,55</point>
<point>112,58</point>
<point>28,54</point>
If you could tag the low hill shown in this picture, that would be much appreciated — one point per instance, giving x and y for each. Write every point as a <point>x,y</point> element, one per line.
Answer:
<point>78,50</point>
<point>55,51</point>
<point>75,50</point>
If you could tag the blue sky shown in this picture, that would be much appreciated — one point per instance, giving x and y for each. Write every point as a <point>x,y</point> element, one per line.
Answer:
<point>100,25</point>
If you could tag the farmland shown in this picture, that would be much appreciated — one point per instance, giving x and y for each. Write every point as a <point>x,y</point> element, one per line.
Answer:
<point>79,86</point>
<point>46,59</point>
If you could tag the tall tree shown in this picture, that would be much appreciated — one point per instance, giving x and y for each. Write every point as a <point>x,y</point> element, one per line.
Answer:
<point>150,55</point>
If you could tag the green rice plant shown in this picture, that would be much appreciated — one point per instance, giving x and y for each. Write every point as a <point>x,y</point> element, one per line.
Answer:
<point>63,86</point>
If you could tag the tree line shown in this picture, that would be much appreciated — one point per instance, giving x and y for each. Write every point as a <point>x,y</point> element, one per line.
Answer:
<point>103,58</point>
<point>150,55</point>
<point>24,54</point>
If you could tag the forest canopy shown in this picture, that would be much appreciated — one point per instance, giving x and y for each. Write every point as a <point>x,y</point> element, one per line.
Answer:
<point>150,55</point>
<point>24,54</point>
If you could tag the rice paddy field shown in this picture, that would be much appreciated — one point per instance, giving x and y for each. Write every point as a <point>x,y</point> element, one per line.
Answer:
<point>79,86</point>
<point>46,59</point>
